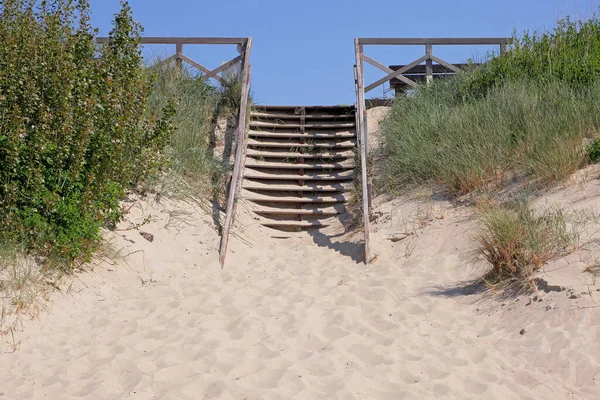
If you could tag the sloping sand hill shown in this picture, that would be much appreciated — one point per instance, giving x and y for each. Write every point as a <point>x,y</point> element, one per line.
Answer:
<point>303,318</point>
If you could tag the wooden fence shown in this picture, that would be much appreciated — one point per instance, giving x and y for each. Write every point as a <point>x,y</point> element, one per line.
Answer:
<point>402,74</point>
<point>244,47</point>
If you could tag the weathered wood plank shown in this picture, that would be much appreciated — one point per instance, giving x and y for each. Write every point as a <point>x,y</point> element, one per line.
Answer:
<point>362,133</point>
<point>163,62</point>
<point>238,167</point>
<point>183,40</point>
<point>223,67</point>
<point>428,64</point>
<point>433,41</point>
<point>446,64</point>
<point>178,60</point>
<point>398,74</point>
<point>324,125</point>
<point>322,177</point>
<point>200,67</point>
<point>252,163</point>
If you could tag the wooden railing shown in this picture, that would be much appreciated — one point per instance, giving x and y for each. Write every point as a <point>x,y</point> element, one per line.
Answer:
<point>401,74</point>
<point>244,47</point>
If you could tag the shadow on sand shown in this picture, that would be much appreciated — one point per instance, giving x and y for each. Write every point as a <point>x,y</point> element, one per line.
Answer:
<point>228,141</point>
<point>353,250</point>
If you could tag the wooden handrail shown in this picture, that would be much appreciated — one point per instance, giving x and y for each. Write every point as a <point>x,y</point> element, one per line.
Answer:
<point>433,41</point>
<point>428,58</point>
<point>184,40</point>
<point>361,112</point>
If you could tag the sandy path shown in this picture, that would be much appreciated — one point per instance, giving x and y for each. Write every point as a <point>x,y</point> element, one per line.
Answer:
<point>292,319</point>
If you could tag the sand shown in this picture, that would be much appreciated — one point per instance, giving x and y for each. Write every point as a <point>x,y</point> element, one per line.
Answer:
<point>302,317</point>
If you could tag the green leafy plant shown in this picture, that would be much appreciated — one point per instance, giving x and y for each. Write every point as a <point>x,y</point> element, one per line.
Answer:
<point>593,151</point>
<point>74,126</point>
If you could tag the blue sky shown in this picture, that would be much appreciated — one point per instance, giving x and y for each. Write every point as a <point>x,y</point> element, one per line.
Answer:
<point>303,51</point>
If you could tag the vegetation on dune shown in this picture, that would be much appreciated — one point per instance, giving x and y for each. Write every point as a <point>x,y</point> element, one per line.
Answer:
<point>205,121</point>
<point>74,131</point>
<point>81,123</point>
<point>532,114</point>
<point>516,240</point>
<point>522,128</point>
<point>193,169</point>
<point>525,113</point>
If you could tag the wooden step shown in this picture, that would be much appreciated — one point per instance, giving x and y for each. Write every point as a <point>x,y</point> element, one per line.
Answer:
<point>287,144</point>
<point>309,109</point>
<point>252,163</point>
<point>259,124</point>
<point>278,187</point>
<point>340,176</point>
<point>324,212</point>
<point>279,154</point>
<point>276,116</point>
<point>274,198</point>
<point>306,136</point>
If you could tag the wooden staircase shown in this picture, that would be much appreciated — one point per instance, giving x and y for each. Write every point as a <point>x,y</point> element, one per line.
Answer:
<point>299,164</point>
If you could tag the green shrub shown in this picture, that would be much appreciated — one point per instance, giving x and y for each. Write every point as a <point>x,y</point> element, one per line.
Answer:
<point>74,128</point>
<point>570,53</point>
<point>593,151</point>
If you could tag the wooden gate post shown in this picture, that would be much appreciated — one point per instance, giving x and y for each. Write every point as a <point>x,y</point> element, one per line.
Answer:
<point>238,168</point>
<point>362,134</point>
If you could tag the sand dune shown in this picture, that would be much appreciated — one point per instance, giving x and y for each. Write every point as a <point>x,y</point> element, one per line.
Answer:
<point>303,318</point>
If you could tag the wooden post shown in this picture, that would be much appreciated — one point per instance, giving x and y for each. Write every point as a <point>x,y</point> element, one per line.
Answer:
<point>502,48</point>
<point>428,64</point>
<point>362,133</point>
<point>238,167</point>
<point>178,53</point>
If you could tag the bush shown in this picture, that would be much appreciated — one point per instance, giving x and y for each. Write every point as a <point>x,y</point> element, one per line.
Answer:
<point>593,151</point>
<point>74,128</point>
<point>516,241</point>
<point>570,53</point>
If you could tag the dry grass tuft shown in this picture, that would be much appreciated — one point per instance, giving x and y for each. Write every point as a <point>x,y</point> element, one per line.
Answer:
<point>517,240</point>
<point>24,287</point>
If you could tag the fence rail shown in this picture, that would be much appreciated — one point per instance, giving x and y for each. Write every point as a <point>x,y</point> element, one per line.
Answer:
<point>244,47</point>
<point>403,73</point>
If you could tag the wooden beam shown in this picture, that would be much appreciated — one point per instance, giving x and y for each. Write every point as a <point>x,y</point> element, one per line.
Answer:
<point>445,64</point>
<point>362,133</point>
<point>179,51</point>
<point>238,165</point>
<point>428,64</point>
<point>163,62</point>
<point>388,71</point>
<point>397,74</point>
<point>203,69</point>
<point>223,67</point>
<point>433,41</point>
<point>184,40</point>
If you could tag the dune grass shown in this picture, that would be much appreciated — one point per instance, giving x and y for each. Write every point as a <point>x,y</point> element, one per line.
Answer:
<point>523,114</point>
<point>522,128</point>
<point>196,170</point>
<point>527,116</point>
<point>516,240</point>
